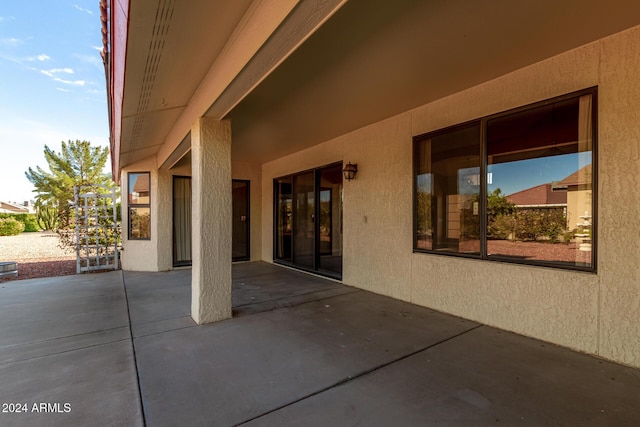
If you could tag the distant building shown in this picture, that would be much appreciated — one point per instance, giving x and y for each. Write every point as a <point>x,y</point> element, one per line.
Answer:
<point>540,196</point>
<point>16,208</point>
<point>579,195</point>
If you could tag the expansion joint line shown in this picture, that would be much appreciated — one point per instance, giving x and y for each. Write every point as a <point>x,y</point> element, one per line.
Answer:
<point>133,348</point>
<point>362,374</point>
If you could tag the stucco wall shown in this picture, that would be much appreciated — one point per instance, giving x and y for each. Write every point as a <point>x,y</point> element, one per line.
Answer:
<point>595,313</point>
<point>154,254</point>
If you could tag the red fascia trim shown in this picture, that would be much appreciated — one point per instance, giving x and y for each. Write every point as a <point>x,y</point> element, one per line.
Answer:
<point>119,17</point>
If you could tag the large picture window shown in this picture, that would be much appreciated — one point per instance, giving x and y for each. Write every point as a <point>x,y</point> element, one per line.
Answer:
<point>139,204</point>
<point>516,186</point>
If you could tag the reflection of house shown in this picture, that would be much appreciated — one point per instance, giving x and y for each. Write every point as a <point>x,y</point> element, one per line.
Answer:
<point>573,194</point>
<point>540,196</point>
<point>279,93</point>
<point>9,207</point>
<point>141,188</point>
<point>579,195</point>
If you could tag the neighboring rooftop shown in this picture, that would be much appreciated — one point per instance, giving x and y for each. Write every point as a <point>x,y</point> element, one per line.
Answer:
<point>543,194</point>
<point>13,207</point>
<point>579,177</point>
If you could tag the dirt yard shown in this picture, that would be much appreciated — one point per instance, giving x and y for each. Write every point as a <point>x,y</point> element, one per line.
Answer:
<point>37,255</point>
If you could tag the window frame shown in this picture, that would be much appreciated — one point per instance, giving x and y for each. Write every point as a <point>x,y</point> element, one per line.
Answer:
<point>484,163</point>
<point>131,206</point>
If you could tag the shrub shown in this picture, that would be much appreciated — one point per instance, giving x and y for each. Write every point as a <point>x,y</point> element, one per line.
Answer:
<point>10,227</point>
<point>29,220</point>
<point>31,223</point>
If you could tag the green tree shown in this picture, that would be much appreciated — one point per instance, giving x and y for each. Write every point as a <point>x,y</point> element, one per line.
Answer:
<point>500,215</point>
<point>78,163</point>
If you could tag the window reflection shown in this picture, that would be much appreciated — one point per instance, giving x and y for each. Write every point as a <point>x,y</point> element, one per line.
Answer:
<point>535,204</point>
<point>539,202</point>
<point>139,198</point>
<point>140,223</point>
<point>448,191</point>
<point>138,188</point>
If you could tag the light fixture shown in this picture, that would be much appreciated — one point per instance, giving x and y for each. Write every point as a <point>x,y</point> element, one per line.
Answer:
<point>350,171</point>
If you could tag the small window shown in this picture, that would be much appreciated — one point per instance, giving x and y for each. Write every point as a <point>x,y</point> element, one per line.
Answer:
<point>139,201</point>
<point>516,186</point>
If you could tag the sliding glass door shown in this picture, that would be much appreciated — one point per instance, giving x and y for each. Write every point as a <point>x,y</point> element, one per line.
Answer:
<point>308,220</point>
<point>303,220</point>
<point>330,219</point>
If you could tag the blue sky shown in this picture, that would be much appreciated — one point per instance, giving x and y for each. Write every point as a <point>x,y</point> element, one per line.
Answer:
<point>52,84</point>
<point>516,176</point>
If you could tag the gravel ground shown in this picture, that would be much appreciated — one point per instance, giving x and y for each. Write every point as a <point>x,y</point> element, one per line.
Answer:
<point>37,255</point>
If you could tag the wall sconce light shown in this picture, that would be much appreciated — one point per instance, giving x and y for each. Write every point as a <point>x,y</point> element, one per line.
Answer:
<point>350,171</point>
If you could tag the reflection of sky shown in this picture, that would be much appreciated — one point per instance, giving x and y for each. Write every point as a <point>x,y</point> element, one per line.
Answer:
<point>512,177</point>
<point>516,176</point>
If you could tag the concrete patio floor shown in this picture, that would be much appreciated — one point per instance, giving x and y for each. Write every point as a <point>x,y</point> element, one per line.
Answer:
<point>120,349</point>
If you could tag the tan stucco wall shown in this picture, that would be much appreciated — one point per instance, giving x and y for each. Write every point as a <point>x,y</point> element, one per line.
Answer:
<point>594,313</point>
<point>140,255</point>
<point>154,254</point>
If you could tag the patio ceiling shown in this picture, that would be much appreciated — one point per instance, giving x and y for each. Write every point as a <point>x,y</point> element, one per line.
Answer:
<point>370,60</point>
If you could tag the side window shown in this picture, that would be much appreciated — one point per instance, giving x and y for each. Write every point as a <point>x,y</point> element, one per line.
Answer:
<point>516,186</point>
<point>139,202</point>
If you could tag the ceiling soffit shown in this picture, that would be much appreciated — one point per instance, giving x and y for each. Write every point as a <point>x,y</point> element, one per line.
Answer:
<point>171,46</point>
<point>375,59</point>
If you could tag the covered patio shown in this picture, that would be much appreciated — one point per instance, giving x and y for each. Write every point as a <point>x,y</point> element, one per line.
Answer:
<point>121,348</point>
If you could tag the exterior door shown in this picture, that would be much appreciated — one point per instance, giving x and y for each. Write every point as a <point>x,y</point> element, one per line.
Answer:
<point>240,221</point>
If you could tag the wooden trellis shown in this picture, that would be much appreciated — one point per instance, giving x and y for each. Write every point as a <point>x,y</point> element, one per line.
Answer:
<point>96,229</point>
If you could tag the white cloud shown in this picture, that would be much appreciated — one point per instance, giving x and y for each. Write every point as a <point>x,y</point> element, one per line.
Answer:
<point>54,71</point>
<point>62,89</point>
<point>81,9</point>
<point>70,82</point>
<point>42,57</point>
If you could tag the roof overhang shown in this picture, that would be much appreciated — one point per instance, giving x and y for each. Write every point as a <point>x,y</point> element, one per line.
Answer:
<point>291,74</point>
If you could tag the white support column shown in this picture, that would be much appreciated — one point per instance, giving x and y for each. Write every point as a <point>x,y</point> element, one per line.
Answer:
<point>211,220</point>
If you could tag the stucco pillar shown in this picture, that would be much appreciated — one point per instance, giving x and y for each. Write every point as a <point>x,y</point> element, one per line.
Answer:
<point>211,220</point>
<point>162,207</point>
